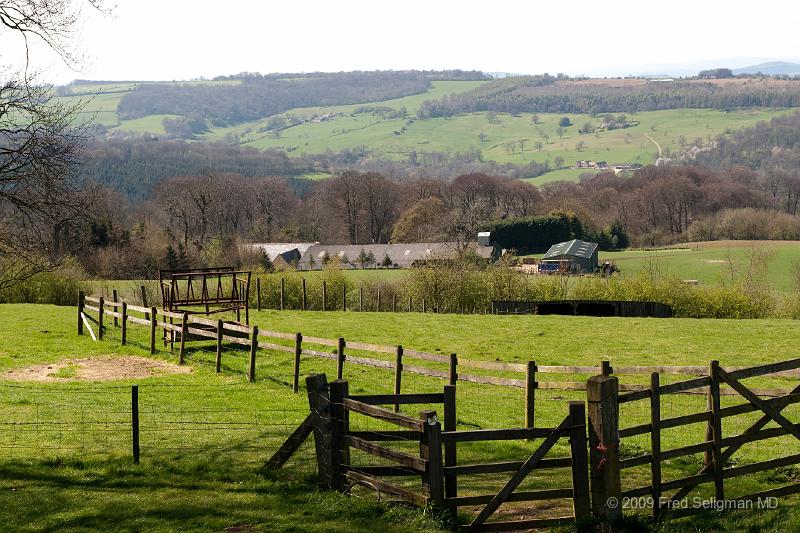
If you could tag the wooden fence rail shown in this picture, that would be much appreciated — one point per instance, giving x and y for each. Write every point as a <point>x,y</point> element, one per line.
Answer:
<point>718,448</point>
<point>178,328</point>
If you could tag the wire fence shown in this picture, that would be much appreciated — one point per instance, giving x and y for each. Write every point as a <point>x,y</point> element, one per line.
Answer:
<point>235,425</point>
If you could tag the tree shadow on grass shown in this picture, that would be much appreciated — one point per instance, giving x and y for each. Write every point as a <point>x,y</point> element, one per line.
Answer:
<point>115,495</point>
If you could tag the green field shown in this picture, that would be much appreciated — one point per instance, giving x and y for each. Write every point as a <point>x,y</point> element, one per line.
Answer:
<point>399,137</point>
<point>714,262</point>
<point>202,475</point>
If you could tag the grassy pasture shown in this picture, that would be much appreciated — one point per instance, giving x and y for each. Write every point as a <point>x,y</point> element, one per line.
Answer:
<point>712,262</point>
<point>396,138</point>
<point>149,124</point>
<point>201,476</point>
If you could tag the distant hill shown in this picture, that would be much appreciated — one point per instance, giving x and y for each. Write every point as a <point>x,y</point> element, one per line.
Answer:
<point>772,68</point>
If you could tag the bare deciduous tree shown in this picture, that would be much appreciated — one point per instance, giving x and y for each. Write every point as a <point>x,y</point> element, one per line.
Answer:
<point>39,144</point>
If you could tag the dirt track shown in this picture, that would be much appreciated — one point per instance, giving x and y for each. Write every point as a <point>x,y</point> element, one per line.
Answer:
<point>96,369</point>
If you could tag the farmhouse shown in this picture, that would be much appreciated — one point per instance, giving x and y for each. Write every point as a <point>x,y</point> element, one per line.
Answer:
<point>282,254</point>
<point>574,257</point>
<point>397,255</point>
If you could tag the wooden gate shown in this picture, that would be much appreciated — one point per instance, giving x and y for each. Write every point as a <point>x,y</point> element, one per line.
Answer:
<point>573,427</point>
<point>718,449</point>
<point>331,406</point>
<point>435,462</point>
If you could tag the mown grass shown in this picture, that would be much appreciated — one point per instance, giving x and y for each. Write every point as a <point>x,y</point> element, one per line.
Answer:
<point>200,479</point>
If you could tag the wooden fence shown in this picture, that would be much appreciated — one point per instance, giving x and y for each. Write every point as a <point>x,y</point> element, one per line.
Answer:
<point>436,463</point>
<point>596,467</point>
<point>718,449</point>
<point>180,327</point>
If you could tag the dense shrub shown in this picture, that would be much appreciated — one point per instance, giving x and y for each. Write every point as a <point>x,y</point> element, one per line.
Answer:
<point>59,288</point>
<point>535,234</point>
<point>466,286</point>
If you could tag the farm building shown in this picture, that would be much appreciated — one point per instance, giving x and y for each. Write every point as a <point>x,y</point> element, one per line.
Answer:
<point>399,255</point>
<point>282,254</point>
<point>573,257</point>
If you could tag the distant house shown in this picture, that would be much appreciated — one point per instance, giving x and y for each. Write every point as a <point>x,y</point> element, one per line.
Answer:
<point>282,254</point>
<point>572,257</point>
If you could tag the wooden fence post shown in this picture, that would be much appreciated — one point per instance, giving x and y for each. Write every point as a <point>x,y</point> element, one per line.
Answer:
<point>324,295</point>
<point>283,292</point>
<point>580,462</point>
<point>340,358</point>
<point>450,450</point>
<point>320,406</point>
<point>453,369</point>
<point>655,441</point>
<point>258,294</point>
<point>124,320</point>
<point>378,304</point>
<point>602,393</point>
<point>298,351</point>
<point>153,323</point>
<point>184,328</point>
<point>100,313</point>
<point>144,299</point>
<point>361,298</point>
<point>251,373</point>
<point>430,449</point>
<point>716,421</point>
<point>220,332</point>
<point>708,457</point>
<point>530,394</point>
<point>135,422</point>
<point>344,297</point>
<point>81,301</point>
<point>340,426</point>
<point>394,303</point>
<point>304,295</point>
<point>115,307</point>
<point>398,374</point>
<point>409,304</point>
<point>423,305</point>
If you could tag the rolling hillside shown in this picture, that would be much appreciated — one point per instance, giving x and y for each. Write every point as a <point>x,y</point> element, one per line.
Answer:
<point>390,129</point>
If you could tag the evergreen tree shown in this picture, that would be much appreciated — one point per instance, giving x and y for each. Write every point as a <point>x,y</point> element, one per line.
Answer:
<point>619,236</point>
<point>171,258</point>
<point>362,258</point>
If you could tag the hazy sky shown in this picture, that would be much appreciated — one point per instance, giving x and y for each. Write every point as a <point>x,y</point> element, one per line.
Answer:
<point>182,39</point>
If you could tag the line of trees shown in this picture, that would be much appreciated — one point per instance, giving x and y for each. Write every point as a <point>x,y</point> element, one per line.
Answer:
<point>202,219</point>
<point>548,94</point>
<point>256,97</point>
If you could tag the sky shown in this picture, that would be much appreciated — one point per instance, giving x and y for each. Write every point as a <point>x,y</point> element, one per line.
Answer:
<point>186,39</point>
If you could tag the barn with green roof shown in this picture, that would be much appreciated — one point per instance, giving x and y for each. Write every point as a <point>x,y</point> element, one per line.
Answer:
<point>573,257</point>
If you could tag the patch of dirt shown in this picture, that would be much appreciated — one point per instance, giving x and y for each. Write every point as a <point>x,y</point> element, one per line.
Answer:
<point>97,369</point>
